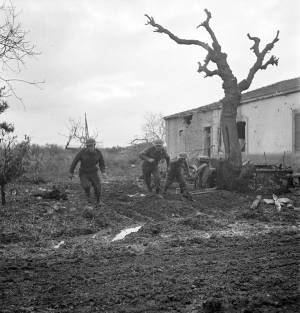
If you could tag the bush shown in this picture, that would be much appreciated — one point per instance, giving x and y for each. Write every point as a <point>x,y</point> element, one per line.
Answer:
<point>12,160</point>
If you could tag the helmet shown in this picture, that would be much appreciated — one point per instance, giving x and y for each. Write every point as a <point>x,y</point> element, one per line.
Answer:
<point>158,142</point>
<point>90,142</point>
<point>182,155</point>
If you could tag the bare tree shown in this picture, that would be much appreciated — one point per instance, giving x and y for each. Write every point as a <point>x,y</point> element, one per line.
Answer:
<point>78,132</point>
<point>231,86</point>
<point>4,126</point>
<point>154,127</point>
<point>14,48</point>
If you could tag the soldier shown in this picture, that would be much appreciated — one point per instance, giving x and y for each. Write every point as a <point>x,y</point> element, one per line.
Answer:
<point>151,157</point>
<point>175,173</point>
<point>89,158</point>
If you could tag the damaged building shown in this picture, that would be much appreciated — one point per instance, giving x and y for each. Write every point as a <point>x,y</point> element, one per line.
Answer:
<point>268,124</point>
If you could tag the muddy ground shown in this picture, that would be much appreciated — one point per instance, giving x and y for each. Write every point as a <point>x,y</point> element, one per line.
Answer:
<point>210,255</point>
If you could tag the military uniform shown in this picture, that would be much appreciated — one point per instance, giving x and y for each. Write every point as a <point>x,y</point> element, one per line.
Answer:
<point>176,173</point>
<point>157,154</point>
<point>88,171</point>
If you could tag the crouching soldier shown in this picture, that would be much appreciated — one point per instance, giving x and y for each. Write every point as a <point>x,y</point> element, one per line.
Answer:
<point>176,173</point>
<point>89,158</point>
<point>151,157</point>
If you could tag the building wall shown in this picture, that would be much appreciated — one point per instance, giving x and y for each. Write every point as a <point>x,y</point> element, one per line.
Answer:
<point>189,138</point>
<point>269,131</point>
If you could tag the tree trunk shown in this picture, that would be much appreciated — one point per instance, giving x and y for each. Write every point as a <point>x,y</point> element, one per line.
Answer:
<point>229,129</point>
<point>229,169</point>
<point>3,200</point>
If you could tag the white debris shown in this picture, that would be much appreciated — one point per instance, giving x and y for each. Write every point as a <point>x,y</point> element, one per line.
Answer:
<point>59,244</point>
<point>280,200</point>
<point>277,203</point>
<point>121,235</point>
<point>284,200</point>
<point>269,201</point>
<point>137,195</point>
<point>256,202</point>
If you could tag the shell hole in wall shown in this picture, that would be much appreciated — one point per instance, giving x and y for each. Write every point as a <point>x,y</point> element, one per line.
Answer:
<point>188,119</point>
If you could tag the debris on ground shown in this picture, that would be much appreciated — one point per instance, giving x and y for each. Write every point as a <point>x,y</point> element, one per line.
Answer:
<point>61,243</point>
<point>54,194</point>
<point>279,202</point>
<point>214,250</point>
<point>255,204</point>
<point>137,195</point>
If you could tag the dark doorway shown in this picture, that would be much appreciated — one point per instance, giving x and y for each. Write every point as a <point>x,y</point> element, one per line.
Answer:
<point>241,129</point>
<point>207,141</point>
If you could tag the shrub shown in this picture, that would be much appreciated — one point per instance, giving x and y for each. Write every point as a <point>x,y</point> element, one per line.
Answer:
<point>12,160</point>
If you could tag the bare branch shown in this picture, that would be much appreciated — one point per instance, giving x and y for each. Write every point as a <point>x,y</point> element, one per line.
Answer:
<point>14,47</point>
<point>272,61</point>
<point>154,127</point>
<point>259,65</point>
<point>205,24</point>
<point>270,45</point>
<point>203,68</point>
<point>13,44</point>
<point>76,132</point>
<point>161,29</point>
<point>255,46</point>
<point>208,17</point>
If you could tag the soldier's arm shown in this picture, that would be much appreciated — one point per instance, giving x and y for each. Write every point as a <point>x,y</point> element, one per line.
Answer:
<point>75,162</point>
<point>101,163</point>
<point>144,155</point>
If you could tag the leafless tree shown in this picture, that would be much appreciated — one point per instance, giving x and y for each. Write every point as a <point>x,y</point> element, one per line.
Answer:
<point>77,133</point>
<point>154,127</point>
<point>231,86</point>
<point>14,48</point>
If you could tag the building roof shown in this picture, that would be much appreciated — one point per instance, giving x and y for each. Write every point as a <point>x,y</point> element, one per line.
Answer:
<point>278,89</point>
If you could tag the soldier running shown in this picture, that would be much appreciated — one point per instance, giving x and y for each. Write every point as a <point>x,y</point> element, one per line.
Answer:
<point>151,157</point>
<point>175,173</point>
<point>89,158</point>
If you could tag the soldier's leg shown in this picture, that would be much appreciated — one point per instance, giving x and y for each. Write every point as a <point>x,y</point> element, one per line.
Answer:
<point>169,182</point>
<point>181,181</point>
<point>96,183</point>
<point>147,176</point>
<point>156,176</point>
<point>85,184</point>
<point>182,185</point>
<point>199,174</point>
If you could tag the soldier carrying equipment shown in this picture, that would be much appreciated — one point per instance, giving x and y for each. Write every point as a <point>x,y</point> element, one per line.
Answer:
<point>151,157</point>
<point>175,173</point>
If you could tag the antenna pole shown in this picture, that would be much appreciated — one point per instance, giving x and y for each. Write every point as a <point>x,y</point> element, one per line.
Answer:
<point>86,127</point>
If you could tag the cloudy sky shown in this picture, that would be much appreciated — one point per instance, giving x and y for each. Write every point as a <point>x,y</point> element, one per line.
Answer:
<point>99,57</point>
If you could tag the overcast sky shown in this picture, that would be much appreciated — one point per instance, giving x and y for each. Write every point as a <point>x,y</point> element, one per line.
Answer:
<point>99,57</point>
